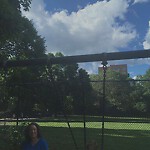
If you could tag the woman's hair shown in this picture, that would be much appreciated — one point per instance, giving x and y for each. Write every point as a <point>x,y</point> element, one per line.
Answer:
<point>27,131</point>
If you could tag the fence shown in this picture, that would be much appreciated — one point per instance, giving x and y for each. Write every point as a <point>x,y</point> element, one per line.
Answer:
<point>118,122</point>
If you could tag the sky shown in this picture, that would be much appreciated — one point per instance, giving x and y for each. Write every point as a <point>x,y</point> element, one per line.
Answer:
<point>81,27</point>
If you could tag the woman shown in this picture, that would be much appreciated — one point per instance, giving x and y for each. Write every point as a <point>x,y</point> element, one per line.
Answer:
<point>33,138</point>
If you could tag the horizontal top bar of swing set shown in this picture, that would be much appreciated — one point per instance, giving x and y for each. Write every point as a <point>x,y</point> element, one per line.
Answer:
<point>78,58</point>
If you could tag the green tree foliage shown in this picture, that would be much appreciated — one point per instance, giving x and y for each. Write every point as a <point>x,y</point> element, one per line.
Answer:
<point>137,96</point>
<point>64,87</point>
<point>27,44</point>
<point>97,93</point>
<point>85,93</point>
<point>68,106</point>
<point>19,40</point>
<point>124,96</point>
<point>146,87</point>
<point>10,22</point>
<point>117,91</point>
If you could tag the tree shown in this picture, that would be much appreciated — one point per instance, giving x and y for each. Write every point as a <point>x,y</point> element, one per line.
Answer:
<point>146,84</point>
<point>117,91</point>
<point>65,88</point>
<point>146,88</point>
<point>86,90</point>
<point>97,93</point>
<point>27,44</point>
<point>19,40</point>
<point>10,14</point>
<point>80,89</point>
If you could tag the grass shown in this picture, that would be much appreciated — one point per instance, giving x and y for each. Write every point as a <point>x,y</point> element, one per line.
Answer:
<point>119,133</point>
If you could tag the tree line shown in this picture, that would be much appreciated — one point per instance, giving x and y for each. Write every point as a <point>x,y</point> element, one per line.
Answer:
<point>32,89</point>
<point>124,95</point>
<point>57,89</point>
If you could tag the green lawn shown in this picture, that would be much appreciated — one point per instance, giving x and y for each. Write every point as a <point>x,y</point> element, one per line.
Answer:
<point>119,133</point>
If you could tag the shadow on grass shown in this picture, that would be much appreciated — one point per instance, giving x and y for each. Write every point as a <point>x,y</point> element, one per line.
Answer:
<point>114,139</point>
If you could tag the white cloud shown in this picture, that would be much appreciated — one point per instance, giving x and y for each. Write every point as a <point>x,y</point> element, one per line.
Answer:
<point>146,43</point>
<point>140,1</point>
<point>93,29</point>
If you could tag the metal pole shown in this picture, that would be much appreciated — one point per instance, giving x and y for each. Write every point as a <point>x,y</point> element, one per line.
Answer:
<point>84,113</point>
<point>77,59</point>
<point>104,63</point>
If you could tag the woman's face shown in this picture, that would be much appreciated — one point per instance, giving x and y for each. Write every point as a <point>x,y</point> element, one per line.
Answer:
<point>33,131</point>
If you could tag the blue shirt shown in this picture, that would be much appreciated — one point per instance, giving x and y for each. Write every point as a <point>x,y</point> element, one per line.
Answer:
<point>40,145</point>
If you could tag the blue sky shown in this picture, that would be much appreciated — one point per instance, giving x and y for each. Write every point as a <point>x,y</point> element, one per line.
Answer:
<point>79,27</point>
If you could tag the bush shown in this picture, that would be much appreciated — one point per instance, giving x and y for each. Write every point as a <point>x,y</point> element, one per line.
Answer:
<point>11,137</point>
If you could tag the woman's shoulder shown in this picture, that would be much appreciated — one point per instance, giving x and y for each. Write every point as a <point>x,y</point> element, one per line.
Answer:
<point>43,143</point>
